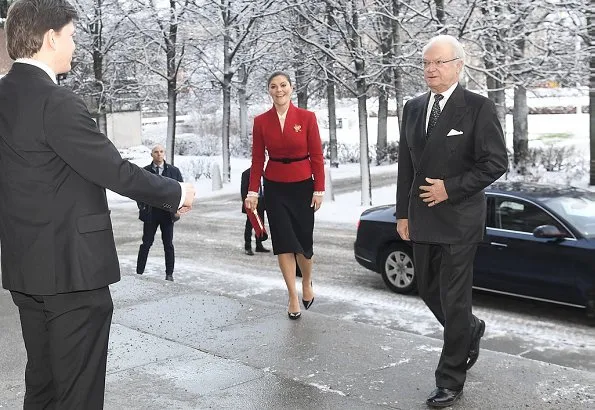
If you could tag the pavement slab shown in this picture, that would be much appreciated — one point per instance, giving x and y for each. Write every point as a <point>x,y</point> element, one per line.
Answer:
<point>174,346</point>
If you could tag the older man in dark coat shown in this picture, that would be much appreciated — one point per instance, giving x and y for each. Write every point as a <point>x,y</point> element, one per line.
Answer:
<point>451,147</point>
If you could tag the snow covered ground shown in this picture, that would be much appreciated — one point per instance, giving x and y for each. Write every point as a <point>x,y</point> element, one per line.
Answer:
<point>571,130</point>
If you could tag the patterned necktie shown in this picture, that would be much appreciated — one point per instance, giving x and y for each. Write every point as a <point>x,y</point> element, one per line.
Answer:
<point>435,114</point>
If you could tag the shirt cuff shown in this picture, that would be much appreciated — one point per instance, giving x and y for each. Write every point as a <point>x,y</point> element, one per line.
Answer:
<point>252,194</point>
<point>319,193</point>
<point>183,194</point>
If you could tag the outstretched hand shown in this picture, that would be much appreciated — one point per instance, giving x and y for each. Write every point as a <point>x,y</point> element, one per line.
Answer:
<point>189,199</point>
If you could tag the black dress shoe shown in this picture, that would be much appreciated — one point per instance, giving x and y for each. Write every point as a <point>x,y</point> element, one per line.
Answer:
<point>249,252</point>
<point>262,249</point>
<point>169,277</point>
<point>474,348</point>
<point>443,397</point>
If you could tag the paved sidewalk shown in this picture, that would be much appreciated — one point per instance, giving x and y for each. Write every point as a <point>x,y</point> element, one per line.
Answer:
<point>177,347</point>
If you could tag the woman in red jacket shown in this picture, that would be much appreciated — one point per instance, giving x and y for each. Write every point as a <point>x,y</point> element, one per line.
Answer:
<point>293,184</point>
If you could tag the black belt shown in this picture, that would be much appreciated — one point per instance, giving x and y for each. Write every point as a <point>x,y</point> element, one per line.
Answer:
<point>288,160</point>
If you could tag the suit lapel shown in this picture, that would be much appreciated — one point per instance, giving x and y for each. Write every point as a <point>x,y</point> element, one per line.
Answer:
<point>274,121</point>
<point>421,119</point>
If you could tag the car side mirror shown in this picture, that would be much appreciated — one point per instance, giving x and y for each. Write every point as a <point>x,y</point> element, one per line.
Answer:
<point>548,232</point>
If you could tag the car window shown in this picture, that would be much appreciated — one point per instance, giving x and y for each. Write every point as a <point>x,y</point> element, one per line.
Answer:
<point>517,215</point>
<point>578,210</point>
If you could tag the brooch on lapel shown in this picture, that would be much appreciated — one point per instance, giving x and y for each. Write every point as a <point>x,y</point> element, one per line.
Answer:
<point>297,128</point>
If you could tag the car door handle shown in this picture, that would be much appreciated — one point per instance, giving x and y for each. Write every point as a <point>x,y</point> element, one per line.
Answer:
<point>498,244</point>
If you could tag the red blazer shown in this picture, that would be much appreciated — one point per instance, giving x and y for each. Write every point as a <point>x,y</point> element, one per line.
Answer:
<point>300,137</point>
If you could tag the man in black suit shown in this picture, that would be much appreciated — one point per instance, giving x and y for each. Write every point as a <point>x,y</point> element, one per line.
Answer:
<point>58,249</point>
<point>451,147</point>
<point>260,209</point>
<point>154,217</point>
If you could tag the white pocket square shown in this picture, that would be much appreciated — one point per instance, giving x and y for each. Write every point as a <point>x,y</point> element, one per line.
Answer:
<point>453,132</point>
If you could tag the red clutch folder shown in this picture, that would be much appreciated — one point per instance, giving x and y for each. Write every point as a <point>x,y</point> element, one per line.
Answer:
<point>258,225</point>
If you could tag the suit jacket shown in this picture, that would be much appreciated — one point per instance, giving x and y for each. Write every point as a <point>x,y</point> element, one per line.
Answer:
<point>467,163</point>
<point>244,193</point>
<point>146,213</point>
<point>300,137</point>
<point>55,229</point>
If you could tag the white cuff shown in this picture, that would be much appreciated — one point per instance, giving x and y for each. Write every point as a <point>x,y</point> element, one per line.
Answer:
<point>319,193</point>
<point>183,197</point>
<point>252,194</point>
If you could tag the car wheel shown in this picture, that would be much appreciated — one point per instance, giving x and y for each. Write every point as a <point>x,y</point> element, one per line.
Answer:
<point>398,271</point>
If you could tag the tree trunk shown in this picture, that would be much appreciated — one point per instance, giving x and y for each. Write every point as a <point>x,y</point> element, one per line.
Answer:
<point>102,123</point>
<point>386,48</point>
<point>226,171</point>
<point>397,74</point>
<point>3,10</point>
<point>226,91</point>
<point>497,95</point>
<point>302,88</point>
<point>172,92</point>
<point>440,12</point>
<point>301,77</point>
<point>332,122</point>
<point>362,113</point>
<point>520,136</point>
<point>381,141</point>
<point>355,44</point>
<point>520,114</point>
<point>592,98</point>
<point>96,31</point>
<point>492,60</point>
<point>170,141</point>
<point>243,102</point>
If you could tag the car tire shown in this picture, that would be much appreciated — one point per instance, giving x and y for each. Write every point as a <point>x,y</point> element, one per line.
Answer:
<point>397,269</point>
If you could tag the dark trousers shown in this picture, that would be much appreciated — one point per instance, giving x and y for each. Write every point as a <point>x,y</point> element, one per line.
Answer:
<point>66,337</point>
<point>444,280</point>
<point>167,236</point>
<point>248,231</point>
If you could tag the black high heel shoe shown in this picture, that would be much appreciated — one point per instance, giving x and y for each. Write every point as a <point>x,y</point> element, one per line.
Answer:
<point>308,303</point>
<point>294,315</point>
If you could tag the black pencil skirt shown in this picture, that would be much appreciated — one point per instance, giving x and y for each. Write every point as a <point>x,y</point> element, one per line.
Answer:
<point>291,219</point>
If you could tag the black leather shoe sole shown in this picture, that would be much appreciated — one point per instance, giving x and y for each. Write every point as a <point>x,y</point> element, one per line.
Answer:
<point>474,349</point>
<point>264,250</point>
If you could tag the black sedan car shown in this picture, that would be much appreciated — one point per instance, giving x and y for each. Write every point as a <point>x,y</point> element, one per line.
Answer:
<point>539,244</point>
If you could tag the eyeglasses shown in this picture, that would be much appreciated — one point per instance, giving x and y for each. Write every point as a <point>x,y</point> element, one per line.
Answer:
<point>437,63</point>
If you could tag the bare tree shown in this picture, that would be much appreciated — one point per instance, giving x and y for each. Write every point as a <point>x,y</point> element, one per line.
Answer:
<point>351,57</point>
<point>104,34</point>
<point>234,24</point>
<point>159,26</point>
